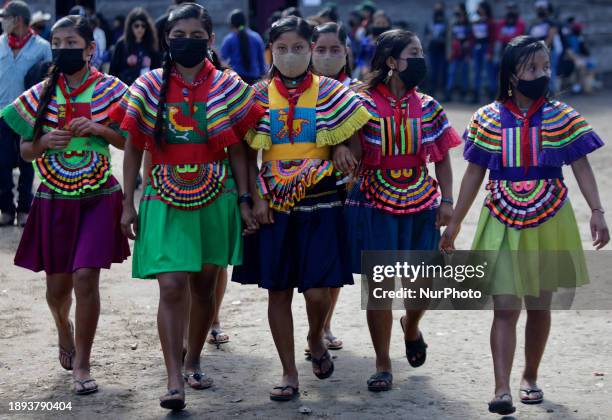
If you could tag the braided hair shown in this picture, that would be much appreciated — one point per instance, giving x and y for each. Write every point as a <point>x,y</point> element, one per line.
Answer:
<point>184,11</point>
<point>82,27</point>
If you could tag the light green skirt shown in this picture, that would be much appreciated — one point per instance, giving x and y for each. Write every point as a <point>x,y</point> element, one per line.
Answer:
<point>172,240</point>
<point>531,260</point>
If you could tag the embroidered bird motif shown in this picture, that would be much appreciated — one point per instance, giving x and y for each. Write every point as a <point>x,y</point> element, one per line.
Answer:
<point>182,122</point>
<point>298,125</point>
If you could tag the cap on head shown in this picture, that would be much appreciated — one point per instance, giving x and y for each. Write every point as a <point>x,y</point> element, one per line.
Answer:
<point>17,8</point>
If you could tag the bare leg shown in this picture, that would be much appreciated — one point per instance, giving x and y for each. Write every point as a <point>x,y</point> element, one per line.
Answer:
<point>327,332</point>
<point>219,293</point>
<point>171,323</point>
<point>318,304</point>
<point>537,329</point>
<point>202,288</point>
<point>59,299</point>
<point>86,290</point>
<point>503,341</point>
<point>280,319</point>
<point>380,325</point>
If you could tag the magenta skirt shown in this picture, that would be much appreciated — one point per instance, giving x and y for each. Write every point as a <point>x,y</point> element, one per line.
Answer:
<point>64,233</point>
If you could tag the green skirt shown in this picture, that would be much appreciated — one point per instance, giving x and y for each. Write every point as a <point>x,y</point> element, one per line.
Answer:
<point>527,261</point>
<point>173,240</point>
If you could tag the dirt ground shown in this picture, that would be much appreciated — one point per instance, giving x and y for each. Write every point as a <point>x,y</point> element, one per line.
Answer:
<point>456,382</point>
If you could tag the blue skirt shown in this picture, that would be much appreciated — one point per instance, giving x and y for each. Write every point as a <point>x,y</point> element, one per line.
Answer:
<point>372,229</point>
<point>304,248</point>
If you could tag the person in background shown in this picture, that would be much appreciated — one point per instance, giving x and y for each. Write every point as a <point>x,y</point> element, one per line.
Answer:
<point>544,28</point>
<point>118,27</point>
<point>328,14</point>
<point>160,23</point>
<point>39,23</point>
<point>437,34</point>
<point>511,26</point>
<point>368,10</point>
<point>460,52</point>
<point>484,34</point>
<point>244,49</point>
<point>136,52</point>
<point>579,55</point>
<point>381,23</point>
<point>20,50</point>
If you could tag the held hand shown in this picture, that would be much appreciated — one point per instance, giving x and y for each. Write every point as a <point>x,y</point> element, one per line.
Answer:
<point>249,220</point>
<point>344,160</point>
<point>81,127</point>
<point>263,212</point>
<point>447,241</point>
<point>443,215</point>
<point>56,139</point>
<point>599,230</point>
<point>129,221</point>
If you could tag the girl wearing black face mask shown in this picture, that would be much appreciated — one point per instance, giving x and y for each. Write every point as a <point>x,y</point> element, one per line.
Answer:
<point>395,204</point>
<point>191,116</point>
<point>524,139</point>
<point>73,228</point>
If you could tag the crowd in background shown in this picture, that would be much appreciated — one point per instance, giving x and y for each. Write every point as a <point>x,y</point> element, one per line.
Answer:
<point>463,48</point>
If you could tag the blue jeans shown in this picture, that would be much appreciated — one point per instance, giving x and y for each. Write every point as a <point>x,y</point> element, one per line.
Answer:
<point>480,62</point>
<point>455,66</point>
<point>9,159</point>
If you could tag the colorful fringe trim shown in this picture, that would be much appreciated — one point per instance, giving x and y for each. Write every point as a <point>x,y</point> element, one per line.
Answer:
<point>73,173</point>
<point>402,191</point>
<point>189,187</point>
<point>284,182</point>
<point>525,204</point>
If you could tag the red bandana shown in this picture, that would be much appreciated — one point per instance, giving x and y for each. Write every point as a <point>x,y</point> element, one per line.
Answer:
<point>292,98</point>
<point>93,77</point>
<point>525,142</point>
<point>18,43</point>
<point>399,114</point>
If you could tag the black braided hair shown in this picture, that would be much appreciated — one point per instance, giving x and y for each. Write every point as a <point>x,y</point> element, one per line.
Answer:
<point>82,26</point>
<point>161,104</point>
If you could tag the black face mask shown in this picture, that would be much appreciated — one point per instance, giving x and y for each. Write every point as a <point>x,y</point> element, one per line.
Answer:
<point>379,30</point>
<point>68,60</point>
<point>534,89</point>
<point>415,72</point>
<point>188,52</point>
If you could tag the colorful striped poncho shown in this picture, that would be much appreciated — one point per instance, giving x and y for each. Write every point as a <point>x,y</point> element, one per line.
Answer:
<point>394,176</point>
<point>519,196</point>
<point>83,165</point>
<point>193,135</point>
<point>327,114</point>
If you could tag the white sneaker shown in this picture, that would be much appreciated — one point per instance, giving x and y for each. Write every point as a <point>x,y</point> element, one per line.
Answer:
<point>7,219</point>
<point>22,218</point>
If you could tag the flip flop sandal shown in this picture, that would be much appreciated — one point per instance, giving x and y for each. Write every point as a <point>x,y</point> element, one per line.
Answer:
<point>203,380</point>
<point>84,390</point>
<point>330,340</point>
<point>213,337</point>
<point>385,377</point>
<point>319,363</point>
<point>502,406</point>
<point>528,392</point>
<point>416,350</point>
<point>174,404</point>
<point>65,354</point>
<point>295,392</point>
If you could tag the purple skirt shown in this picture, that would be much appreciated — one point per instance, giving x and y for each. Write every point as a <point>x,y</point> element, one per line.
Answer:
<point>64,233</point>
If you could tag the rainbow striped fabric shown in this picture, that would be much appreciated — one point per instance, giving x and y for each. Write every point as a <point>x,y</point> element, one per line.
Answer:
<point>562,137</point>
<point>404,190</point>
<point>230,109</point>
<point>84,165</point>
<point>189,187</point>
<point>339,114</point>
<point>290,169</point>
<point>21,114</point>
<point>559,135</point>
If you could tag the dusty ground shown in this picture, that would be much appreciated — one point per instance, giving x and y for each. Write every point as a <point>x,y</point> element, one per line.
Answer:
<point>456,381</point>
